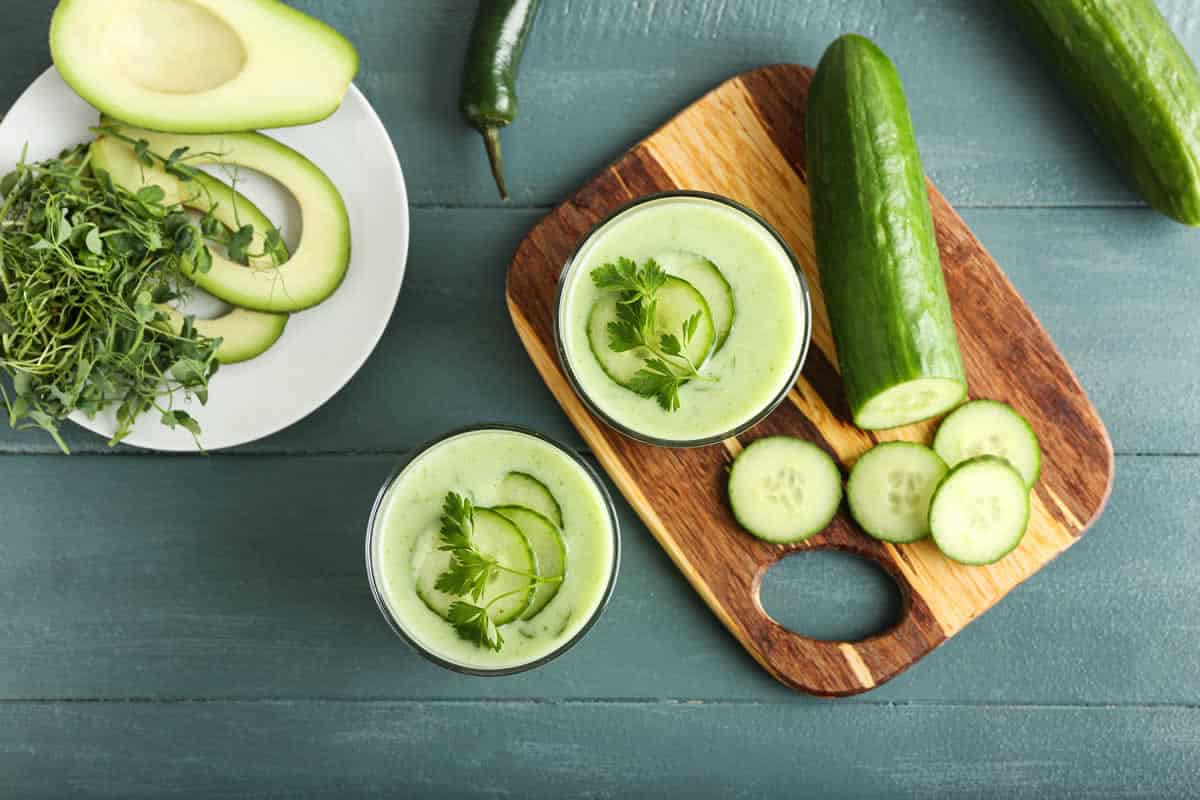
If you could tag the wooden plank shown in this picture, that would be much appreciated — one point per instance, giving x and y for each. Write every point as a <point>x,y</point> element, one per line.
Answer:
<point>24,49</point>
<point>242,577</point>
<point>745,140</point>
<point>252,589</point>
<point>599,75</point>
<point>598,750</point>
<point>1117,290</point>
<point>450,331</point>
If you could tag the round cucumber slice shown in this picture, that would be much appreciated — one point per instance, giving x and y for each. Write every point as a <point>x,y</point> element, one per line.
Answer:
<point>522,489</point>
<point>784,489</point>
<point>548,546</point>
<point>989,427</point>
<point>429,563</point>
<point>979,511</point>
<point>909,402</point>
<point>493,536</point>
<point>677,300</point>
<point>708,279</point>
<point>890,488</point>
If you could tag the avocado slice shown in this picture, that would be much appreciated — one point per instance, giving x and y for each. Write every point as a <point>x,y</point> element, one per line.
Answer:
<point>201,66</point>
<point>244,334</point>
<point>319,264</point>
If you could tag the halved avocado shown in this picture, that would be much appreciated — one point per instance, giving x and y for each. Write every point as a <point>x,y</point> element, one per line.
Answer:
<point>319,263</point>
<point>201,66</point>
<point>244,334</point>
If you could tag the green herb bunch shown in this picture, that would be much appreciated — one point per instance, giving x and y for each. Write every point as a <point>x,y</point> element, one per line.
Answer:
<point>469,574</point>
<point>83,266</point>
<point>666,366</point>
<point>236,242</point>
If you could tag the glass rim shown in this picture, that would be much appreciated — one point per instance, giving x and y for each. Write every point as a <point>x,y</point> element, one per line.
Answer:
<point>392,619</point>
<point>752,420</point>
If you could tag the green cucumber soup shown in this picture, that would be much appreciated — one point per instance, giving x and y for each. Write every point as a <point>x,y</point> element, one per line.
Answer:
<point>538,513</point>
<point>710,351</point>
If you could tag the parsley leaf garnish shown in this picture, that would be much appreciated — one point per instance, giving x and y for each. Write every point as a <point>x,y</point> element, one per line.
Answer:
<point>666,364</point>
<point>469,573</point>
<point>656,379</point>
<point>458,521</point>
<point>475,625</point>
<point>625,276</point>
<point>469,569</point>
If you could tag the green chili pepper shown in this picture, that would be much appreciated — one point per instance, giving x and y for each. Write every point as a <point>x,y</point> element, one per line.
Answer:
<point>489,86</point>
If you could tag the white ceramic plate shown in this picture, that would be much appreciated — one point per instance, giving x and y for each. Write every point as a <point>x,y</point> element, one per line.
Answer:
<point>321,348</point>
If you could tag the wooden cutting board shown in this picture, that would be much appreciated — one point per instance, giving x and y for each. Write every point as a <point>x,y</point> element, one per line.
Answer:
<point>745,140</point>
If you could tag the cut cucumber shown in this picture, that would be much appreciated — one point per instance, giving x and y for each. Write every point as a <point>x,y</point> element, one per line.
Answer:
<point>429,564</point>
<point>678,300</point>
<point>988,427</point>
<point>784,489</point>
<point>908,402</point>
<point>890,488</point>
<point>548,547</point>
<point>522,489</point>
<point>979,511</point>
<point>874,236</point>
<point>708,279</point>
<point>493,536</point>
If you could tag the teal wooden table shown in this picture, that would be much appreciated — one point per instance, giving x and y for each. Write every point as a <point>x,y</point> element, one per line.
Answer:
<point>201,626</point>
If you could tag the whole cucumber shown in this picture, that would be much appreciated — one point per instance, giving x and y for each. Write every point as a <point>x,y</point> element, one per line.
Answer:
<point>1125,67</point>
<point>881,273</point>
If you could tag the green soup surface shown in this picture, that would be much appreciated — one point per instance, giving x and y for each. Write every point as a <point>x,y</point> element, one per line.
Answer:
<point>474,464</point>
<point>770,326</point>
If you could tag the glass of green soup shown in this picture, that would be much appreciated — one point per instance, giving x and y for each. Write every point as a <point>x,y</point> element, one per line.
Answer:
<point>492,550</point>
<point>683,319</point>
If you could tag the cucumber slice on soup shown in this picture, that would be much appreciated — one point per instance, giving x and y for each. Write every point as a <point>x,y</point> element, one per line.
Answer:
<point>708,279</point>
<point>549,549</point>
<point>496,537</point>
<point>677,301</point>
<point>522,489</point>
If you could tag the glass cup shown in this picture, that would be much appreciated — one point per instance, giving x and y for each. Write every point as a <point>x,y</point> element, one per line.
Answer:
<point>568,279</point>
<point>396,620</point>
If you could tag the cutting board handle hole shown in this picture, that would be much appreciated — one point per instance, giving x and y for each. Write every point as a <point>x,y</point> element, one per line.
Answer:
<point>830,595</point>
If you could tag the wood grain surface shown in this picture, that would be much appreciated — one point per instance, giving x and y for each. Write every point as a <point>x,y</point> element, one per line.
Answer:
<point>730,751</point>
<point>745,140</point>
<point>463,284</point>
<point>200,627</point>
<point>250,585</point>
